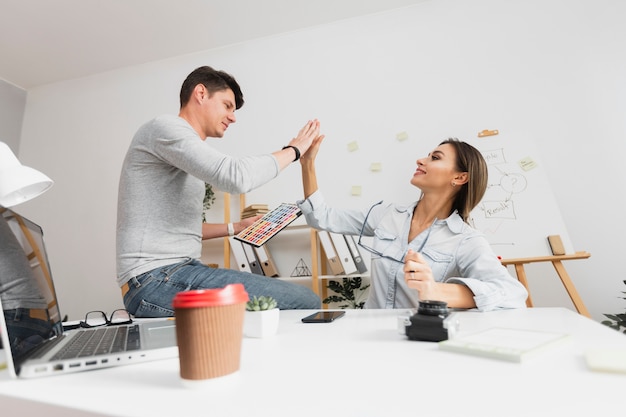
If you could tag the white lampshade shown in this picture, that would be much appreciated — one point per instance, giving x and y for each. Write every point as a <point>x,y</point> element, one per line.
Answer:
<point>19,183</point>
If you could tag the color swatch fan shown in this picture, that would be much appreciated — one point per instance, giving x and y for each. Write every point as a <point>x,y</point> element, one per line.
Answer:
<point>269,225</point>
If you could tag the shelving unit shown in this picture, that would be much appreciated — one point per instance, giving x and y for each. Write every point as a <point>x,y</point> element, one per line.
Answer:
<point>319,264</point>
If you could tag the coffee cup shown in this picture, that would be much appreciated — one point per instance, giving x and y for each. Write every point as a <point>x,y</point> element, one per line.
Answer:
<point>209,331</point>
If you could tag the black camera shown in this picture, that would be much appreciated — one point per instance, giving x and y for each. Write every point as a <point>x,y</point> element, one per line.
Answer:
<point>432,322</point>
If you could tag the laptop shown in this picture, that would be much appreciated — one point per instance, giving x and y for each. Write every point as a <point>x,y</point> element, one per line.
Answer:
<point>31,327</point>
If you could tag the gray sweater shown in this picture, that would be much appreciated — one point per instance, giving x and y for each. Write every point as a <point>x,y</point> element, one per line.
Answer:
<point>161,190</point>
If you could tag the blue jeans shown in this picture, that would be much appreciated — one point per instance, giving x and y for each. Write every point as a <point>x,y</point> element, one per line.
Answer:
<point>150,294</point>
<point>26,332</point>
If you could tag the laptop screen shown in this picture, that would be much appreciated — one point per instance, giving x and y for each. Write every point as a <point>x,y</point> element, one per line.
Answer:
<point>28,299</point>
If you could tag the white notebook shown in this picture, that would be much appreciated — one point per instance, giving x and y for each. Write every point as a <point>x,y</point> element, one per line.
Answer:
<point>606,360</point>
<point>515,345</point>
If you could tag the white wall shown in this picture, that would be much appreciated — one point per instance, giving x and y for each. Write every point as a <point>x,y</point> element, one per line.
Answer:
<point>12,102</point>
<point>553,70</point>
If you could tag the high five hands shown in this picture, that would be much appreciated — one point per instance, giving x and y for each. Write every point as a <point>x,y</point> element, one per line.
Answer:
<point>309,132</point>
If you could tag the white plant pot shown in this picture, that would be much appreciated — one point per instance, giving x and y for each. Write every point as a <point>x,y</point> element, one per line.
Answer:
<point>261,323</point>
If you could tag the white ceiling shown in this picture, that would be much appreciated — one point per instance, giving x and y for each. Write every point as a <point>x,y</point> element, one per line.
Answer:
<point>45,41</point>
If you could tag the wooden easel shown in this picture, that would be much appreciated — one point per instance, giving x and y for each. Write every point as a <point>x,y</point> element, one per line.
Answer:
<point>560,270</point>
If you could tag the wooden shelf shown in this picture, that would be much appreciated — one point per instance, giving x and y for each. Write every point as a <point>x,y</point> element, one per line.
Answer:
<point>342,276</point>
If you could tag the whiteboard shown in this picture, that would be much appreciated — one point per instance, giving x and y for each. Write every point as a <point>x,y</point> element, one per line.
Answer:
<point>519,210</point>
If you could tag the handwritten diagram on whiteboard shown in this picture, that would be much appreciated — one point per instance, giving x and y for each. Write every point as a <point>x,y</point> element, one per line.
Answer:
<point>518,211</point>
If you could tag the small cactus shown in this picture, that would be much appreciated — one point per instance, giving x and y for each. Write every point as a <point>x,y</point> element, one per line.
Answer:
<point>261,303</point>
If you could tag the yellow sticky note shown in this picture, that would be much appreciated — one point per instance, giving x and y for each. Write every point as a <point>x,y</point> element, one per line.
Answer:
<point>376,166</point>
<point>356,190</point>
<point>353,146</point>
<point>402,136</point>
<point>527,163</point>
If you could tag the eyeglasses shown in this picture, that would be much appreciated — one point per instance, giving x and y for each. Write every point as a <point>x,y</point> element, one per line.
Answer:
<point>378,253</point>
<point>99,318</point>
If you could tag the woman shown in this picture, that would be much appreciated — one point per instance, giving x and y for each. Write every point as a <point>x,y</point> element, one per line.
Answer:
<point>427,250</point>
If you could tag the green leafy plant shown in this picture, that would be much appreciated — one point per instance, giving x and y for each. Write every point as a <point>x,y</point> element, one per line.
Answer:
<point>617,321</point>
<point>347,290</point>
<point>261,303</point>
<point>209,199</point>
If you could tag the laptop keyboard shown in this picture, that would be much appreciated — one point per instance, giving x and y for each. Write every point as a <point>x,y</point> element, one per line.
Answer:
<point>100,341</point>
<point>41,350</point>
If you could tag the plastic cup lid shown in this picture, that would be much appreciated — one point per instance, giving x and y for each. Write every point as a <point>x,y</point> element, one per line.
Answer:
<point>230,294</point>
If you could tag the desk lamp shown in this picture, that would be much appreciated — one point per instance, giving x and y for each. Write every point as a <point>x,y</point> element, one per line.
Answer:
<point>19,183</point>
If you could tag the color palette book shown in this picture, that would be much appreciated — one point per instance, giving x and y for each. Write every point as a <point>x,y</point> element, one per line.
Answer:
<point>269,225</point>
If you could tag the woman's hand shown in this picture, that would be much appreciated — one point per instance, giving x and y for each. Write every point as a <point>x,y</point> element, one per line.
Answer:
<point>419,276</point>
<point>310,155</point>
<point>307,163</point>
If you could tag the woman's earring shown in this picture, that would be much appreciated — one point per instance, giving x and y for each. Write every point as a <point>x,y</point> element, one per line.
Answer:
<point>454,184</point>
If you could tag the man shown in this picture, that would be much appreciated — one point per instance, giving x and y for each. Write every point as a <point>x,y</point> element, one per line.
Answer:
<point>161,190</point>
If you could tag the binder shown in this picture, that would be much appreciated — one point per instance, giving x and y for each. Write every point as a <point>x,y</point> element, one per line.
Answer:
<point>267,262</point>
<point>240,257</point>
<point>333,260</point>
<point>356,254</point>
<point>345,257</point>
<point>255,265</point>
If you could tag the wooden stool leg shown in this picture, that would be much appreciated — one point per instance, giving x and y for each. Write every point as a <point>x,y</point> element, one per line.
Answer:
<point>521,276</point>
<point>315,281</point>
<point>571,290</point>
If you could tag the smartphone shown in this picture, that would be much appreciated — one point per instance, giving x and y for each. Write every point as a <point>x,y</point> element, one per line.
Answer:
<point>323,316</point>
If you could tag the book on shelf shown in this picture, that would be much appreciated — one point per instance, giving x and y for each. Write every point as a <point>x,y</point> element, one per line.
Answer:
<point>336,266</point>
<point>252,207</point>
<point>254,210</point>
<point>344,254</point>
<point>253,213</point>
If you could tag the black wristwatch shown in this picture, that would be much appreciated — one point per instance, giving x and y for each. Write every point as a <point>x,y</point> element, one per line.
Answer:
<point>295,149</point>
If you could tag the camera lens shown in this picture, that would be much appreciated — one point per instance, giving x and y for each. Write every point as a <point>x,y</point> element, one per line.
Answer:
<point>432,308</point>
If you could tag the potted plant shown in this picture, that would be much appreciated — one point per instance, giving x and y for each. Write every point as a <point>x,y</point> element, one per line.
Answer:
<point>209,199</point>
<point>347,290</point>
<point>262,316</point>
<point>617,321</point>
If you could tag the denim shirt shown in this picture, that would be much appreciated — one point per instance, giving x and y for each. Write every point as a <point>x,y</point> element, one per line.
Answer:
<point>456,253</point>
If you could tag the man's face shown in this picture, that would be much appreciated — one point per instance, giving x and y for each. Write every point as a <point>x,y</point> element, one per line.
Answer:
<point>218,112</point>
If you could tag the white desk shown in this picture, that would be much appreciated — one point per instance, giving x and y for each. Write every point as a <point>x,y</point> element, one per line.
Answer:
<point>357,366</point>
